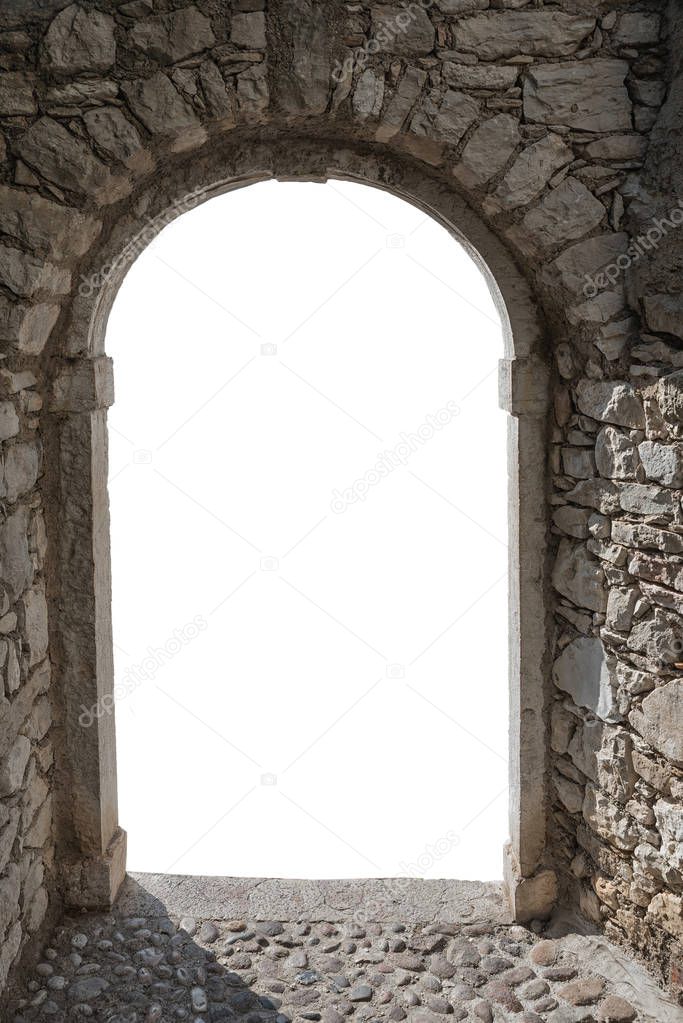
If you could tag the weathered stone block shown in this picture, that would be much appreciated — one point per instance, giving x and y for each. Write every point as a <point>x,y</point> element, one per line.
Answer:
<point>249,30</point>
<point>568,212</point>
<point>446,120</point>
<point>662,462</point>
<point>660,720</point>
<point>22,466</point>
<point>17,94</point>
<point>14,554</point>
<point>113,133</point>
<point>35,623</point>
<point>611,401</point>
<point>531,171</point>
<point>405,32</point>
<point>535,33</point>
<point>159,106</point>
<point>589,95</point>
<point>67,161</point>
<point>9,420</point>
<point>175,35</point>
<point>401,103</point>
<point>664,314</point>
<point>488,150</point>
<point>615,454</point>
<point>583,671</point>
<point>12,767</point>
<point>44,225</point>
<point>80,39</point>
<point>579,576</point>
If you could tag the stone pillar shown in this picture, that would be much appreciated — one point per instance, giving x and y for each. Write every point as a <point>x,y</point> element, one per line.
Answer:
<point>524,394</point>
<point>92,846</point>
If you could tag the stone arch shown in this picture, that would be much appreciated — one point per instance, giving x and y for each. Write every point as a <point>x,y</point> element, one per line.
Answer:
<point>93,846</point>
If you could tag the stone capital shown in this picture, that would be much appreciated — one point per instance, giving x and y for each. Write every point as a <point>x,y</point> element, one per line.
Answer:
<point>523,386</point>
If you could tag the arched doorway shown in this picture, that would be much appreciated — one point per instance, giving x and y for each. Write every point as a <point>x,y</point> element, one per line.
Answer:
<point>95,845</point>
<point>309,543</point>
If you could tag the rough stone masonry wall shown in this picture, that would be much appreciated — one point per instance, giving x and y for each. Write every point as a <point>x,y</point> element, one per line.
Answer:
<point>540,115</point>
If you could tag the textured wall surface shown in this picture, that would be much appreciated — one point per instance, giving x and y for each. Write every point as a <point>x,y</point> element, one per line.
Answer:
<point>540,116</point>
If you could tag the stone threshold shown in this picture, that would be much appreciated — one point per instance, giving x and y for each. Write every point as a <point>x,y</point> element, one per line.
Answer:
<point>377,899</point>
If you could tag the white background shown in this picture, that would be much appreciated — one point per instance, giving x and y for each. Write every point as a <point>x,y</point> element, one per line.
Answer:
<point>324,691</point>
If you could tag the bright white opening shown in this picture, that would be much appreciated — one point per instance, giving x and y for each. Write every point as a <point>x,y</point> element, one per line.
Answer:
<point>307,686</point>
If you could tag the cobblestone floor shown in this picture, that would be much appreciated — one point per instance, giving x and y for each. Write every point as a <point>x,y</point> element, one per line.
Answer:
<point>119,968</point>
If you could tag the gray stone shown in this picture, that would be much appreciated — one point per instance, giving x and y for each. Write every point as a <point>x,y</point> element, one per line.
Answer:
<point>535,33</point>
<point>583,671</point>
<point>17,94</point>
<point>610,401</point>
<point>446,120</point>
<point>45,225</point>
<point>35,621</point>
<point>486,76</point>
<point>27,275</point>
<point>156,103</point>
<point>531,171</point>
<point>221,98</point>
<point>401,103</point>
<point>80,39</point>
<point>669,397</point>
<point>22,466</point>
<point>566,213</point>
<point>569,794</point>
<point>669,819</point>
<point>488,150</point>
<point>660,637</point>
<point>87,989</point>
<point>579,576</point>
<point>573,521</point>
<point>615,454</point>
<point>637,29</point>
<point>13,766</point>
<point>369,93</point>
<point>664,314</point>
<point>71,98</point>
<point>620,607</point>
<point>609,820</point>
<point>578,462</point>
<point>641,499</point>
<point>596,493</point>
<point>253,94</point>
<point>582,266</point>
<point>68,162</point>
<point>662,462</point>
<point>621,148</point>
<point>112,132</point>
<point>589,95</point>
<point>249,30</point>
<point>173,36</point>
<point>14,554</point>
<point>360,993</point>
<point>405,32</point>
<point>9,421</point>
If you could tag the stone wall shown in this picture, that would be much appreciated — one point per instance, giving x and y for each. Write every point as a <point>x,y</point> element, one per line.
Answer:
<point>539,115</point>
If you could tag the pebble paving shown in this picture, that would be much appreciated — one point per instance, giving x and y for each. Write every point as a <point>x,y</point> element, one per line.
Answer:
<point>122,969</point>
